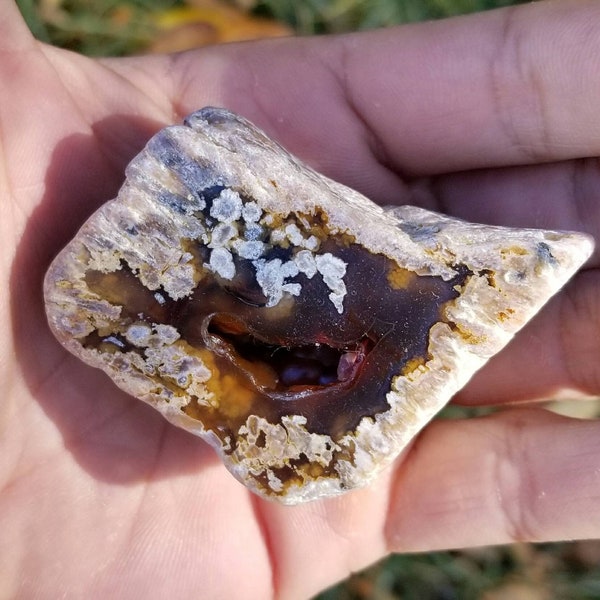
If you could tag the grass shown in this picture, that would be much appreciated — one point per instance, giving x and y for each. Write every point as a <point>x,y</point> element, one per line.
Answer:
<point>517,572</point>
<point>335,16</point>
<point>120,27</point>
<point>521,571</point>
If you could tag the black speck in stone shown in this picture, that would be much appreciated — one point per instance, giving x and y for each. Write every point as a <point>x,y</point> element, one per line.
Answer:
<point>179,204</point>
<point>283,254</point>
<point>208,195</point>
<point>545,254</point>
<point>167,151</point>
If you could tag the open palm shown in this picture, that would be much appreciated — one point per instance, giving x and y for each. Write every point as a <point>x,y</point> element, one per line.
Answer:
<point>100,497</point>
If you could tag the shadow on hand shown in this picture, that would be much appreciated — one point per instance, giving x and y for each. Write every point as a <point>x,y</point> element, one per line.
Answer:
<point>114,437</point>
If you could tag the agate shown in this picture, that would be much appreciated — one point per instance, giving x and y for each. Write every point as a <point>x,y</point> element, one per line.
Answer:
<point>303,331</point>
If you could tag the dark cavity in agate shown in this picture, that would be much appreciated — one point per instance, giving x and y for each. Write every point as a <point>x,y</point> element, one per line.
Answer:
<point>300,357</point>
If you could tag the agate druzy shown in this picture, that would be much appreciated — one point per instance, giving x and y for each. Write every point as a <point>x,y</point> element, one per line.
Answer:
<point>303,331</point>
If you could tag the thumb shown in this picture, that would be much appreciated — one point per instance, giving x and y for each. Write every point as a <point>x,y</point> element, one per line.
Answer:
<point>14,33</point>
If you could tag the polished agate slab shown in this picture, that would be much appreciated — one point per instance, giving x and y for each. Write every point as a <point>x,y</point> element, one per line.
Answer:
<point>304,332</point>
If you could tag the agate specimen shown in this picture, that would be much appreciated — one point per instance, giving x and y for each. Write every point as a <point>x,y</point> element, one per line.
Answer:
<point>306,333</point>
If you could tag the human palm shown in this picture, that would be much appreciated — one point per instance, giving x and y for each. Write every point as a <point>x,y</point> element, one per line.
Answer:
<point>100,497</point>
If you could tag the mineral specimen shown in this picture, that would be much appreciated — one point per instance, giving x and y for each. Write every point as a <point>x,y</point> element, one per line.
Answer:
<point>303,331</point>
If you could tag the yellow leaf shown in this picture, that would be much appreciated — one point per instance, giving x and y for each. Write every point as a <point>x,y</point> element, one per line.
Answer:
<point>210,22</point>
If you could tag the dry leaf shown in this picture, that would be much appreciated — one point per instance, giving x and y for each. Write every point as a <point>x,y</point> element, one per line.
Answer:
<point>210,22</point>
<point>517,590</point>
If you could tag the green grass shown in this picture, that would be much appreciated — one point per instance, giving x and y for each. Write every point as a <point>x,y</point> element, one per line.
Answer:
<point>95,27</point>
<point>120,27</point>
<point>335,16</point>
<point>517,572</point>
<point>568,571</point>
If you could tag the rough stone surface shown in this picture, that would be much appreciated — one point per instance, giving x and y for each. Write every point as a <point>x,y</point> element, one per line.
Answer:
<point>305,332</point>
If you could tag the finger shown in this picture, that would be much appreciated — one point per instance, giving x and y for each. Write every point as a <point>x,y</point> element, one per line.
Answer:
<point>558,195</point>
<point>505,87</point>
<point>14,33</point>
<point>523,475</point>
<point>496,88</point>
<point>314,545</point>
<point>520,475</point>
<point>562,195</point>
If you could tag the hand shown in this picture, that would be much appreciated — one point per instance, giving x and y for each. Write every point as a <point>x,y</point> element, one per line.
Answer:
<point>489,117</point>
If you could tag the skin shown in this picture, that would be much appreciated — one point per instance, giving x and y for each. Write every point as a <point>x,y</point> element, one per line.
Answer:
<point>491,117</point>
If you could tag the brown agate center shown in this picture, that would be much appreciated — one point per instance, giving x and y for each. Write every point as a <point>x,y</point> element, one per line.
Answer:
<point>301,356</point>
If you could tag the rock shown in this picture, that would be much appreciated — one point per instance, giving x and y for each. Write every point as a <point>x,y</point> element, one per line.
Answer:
<point>305,332</point>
